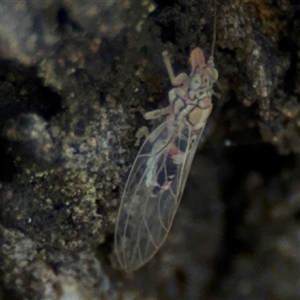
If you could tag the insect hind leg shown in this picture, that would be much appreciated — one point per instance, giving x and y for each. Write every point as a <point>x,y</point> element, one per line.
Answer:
<point>165,176</point>
<point>142,132</point>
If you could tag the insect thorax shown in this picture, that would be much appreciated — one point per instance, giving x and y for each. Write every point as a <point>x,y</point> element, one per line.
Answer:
<point>194,105</point>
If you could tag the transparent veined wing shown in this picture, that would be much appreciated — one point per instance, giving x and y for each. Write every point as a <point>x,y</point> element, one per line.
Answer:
<point>153,192</point>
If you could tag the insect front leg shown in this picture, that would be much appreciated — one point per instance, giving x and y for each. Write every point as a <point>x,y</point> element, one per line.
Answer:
<point>180,80</point>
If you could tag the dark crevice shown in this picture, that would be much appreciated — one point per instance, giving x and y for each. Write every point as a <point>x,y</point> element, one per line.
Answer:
<point>7,168</point>
<point>240,160</point>
<point>65,20</point>
<point>25,94</point>
<point>289,46</point>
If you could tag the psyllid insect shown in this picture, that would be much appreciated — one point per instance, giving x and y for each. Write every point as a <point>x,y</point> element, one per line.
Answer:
<point>158,176</point>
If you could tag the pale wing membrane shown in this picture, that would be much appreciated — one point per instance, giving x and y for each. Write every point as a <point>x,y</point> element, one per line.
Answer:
<point>196,137</point>
<point>147,210</point>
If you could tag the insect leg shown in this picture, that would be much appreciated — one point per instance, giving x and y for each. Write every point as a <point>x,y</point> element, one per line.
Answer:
<point>180,79</point>
<point>216,94</point>
<point>142,132</point>
<point>155,114</point>
<point>151,115</point>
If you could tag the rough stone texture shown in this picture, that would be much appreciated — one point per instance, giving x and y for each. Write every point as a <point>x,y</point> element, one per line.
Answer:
<point>73,76</point>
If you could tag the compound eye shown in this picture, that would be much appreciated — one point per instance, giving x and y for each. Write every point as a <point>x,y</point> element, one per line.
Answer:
<point>195,82</point>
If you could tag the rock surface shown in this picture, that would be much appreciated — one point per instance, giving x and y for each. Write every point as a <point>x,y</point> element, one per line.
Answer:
<point>73,76</point>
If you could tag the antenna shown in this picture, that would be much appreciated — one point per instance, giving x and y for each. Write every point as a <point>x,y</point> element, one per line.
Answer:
<point>214,30</point>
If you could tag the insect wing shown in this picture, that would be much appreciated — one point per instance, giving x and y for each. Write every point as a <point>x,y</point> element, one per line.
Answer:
<point>195,139</point>
<point>147,209</point>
